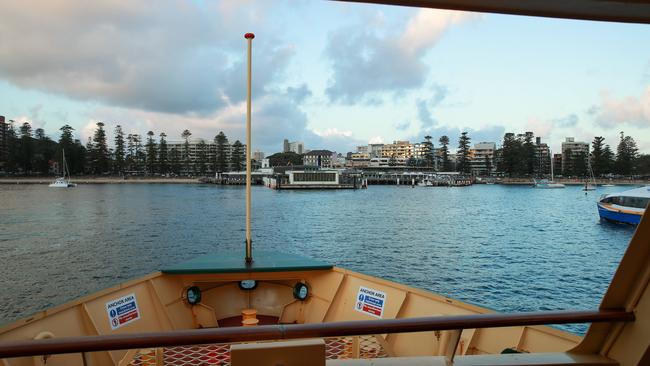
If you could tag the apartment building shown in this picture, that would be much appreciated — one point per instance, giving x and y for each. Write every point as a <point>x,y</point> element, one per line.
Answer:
<point>481,158</point>
<point>209,149</point>
<point>571,150</point>
<point>297,147</point>
<point>319,158</point>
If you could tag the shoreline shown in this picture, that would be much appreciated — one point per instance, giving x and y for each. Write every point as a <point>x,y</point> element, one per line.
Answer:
<point>162,180</point>
<point>576,182</point>
<point>102,180</point>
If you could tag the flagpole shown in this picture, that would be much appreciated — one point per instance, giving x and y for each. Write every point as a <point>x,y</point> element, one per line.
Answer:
<point>249,241</point>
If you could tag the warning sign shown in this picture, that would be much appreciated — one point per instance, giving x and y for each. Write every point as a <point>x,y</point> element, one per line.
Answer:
<point>122,311</point>
<point>370,302</point>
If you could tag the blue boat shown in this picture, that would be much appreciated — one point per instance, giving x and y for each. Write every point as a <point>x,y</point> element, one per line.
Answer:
<point>626,207</point>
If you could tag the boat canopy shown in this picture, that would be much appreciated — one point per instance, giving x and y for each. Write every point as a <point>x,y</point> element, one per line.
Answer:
<point>233,263</point>
<point>642,192</point>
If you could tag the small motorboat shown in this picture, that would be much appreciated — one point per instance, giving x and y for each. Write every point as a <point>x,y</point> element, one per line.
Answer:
<point>626,207</point>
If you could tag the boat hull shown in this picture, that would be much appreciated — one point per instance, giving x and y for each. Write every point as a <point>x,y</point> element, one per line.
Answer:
<point>617,215</point>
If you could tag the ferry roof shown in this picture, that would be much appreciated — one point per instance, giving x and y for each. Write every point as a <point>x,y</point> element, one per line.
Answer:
<point>263,261</point>
<point>636,192</point>
<point>629,11</point>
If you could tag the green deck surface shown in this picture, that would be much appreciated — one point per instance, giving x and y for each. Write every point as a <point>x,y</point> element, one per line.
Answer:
<point>234,263</point>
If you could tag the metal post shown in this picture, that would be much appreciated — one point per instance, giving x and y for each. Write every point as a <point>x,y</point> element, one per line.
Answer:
<point>249,241</point>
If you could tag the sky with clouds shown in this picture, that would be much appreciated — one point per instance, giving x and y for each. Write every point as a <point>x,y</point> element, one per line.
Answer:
<point>334,75</point>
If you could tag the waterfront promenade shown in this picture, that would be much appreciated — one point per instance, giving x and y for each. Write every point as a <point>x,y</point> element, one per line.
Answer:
<point>101,180</point>
<point>373,180</point>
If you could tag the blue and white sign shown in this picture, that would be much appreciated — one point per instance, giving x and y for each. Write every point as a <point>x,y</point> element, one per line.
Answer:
<point>370,302</point>
<point>122,311</point>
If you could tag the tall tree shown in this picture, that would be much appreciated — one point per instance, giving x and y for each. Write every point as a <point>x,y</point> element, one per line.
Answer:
<point>13,149</point>
<point>598,162</point>
<point>428,152</point>
<point>75,153</point>
<point>285,159</point>
<point>608,158</point>
<point>643,164</point>
<point>528,152</point>
<point>626,154</point>
<point>162,154</point>
<point>236,161</point>
<point>120,152</point>
<point>463,153</point>
<point>175,161</point>
<point>78,158</point>
<point>512,156</point>
<point>89,161</point>
<point>220,156</point>
<point>444,150</point>
<point>100,150</point>
<point>186,150</point>
<point>202,157</point>
<point>139,155</point>
<point>26,147</point>
<point>44,151</point>
<point>151,153</point>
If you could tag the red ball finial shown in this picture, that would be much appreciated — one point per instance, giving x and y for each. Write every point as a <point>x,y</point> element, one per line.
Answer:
<point>249,36</point>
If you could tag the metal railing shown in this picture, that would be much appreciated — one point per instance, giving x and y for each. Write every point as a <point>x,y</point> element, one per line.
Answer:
<point>456,323</point>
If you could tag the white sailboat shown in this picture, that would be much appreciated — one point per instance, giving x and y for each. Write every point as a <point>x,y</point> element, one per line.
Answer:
<point>62,182</point>
<point>545,183</point>
<point>590,185</point>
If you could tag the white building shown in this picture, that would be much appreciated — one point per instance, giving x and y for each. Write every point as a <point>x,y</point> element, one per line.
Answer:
<point>571,149</point>
<point>482,158</point>
<point>297,147</point>
<point>258,155</point>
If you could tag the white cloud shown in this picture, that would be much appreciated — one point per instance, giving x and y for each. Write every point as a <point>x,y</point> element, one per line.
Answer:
<point>426,28</point>
<point>365,62</point>
<point>630,110</point>
<point>332,132</point>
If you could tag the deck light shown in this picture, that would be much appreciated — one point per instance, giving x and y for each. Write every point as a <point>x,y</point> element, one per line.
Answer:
<point>301,291</point>
<point>193,295</point>
<point>247,284</point>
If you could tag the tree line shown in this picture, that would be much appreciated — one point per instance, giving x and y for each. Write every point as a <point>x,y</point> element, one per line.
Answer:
<point>519,156</point>
<point>32,152</point>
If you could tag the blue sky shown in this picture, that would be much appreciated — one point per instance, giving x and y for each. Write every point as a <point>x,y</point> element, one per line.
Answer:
<point>332,74</point>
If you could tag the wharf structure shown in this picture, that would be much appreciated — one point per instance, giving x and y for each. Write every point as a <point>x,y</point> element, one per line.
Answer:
<point>311,177</point>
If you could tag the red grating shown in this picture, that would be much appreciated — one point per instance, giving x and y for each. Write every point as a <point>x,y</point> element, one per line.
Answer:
<point>219,354</point>
<point>210,354</point>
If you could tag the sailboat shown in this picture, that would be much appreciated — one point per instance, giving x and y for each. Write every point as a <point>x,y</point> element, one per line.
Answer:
<point>545,183</point>
<point>590,185</point>
<point>62,182</point>
<point>284,309</point>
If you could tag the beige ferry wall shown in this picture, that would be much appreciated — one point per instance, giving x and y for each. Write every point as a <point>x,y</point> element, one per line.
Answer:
<point>333,295</point>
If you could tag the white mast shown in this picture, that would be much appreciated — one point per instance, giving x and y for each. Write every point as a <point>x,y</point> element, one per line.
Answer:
<point>249,242</point>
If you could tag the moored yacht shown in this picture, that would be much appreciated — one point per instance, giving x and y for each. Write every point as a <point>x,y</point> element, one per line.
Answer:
<point>626,207</point>
<point>62,182</point>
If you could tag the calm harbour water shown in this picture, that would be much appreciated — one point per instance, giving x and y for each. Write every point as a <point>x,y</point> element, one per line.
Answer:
<point>504,247</point>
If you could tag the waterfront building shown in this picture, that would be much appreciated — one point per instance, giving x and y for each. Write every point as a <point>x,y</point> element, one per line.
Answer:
<point>386,162</point>
<point>398,149</point>
<point>375,150</point>
<point>199,147</point>
<point>363,149</point>
<point>573,151</point>
<point>258,155</point>
<point>542,157</point>
<point>481,158</point>
<point>319,158</point>
<point>557,162</point>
